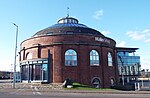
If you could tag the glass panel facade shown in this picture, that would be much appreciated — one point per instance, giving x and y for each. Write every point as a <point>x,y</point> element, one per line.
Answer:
<point>35,72</point>
<point>70,58</point>
<point>44,71</point>
<point>131,63</point>
<point>24,72</point>
<point>94,57</point>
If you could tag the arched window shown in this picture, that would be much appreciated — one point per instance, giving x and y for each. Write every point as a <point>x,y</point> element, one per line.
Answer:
<point>96,82</point>
<point>28,56</point>
<point>70,58</point>
<point>94,58</point>
<point>110,62</point>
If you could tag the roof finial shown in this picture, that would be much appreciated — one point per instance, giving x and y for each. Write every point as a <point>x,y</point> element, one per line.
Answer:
<point>67,11</point>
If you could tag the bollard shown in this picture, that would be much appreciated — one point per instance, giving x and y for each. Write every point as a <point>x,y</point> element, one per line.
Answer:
<point>138,86</point>
<point>135,86</point>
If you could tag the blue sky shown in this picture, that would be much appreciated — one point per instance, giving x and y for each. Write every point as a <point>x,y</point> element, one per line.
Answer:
<point>126,21</point>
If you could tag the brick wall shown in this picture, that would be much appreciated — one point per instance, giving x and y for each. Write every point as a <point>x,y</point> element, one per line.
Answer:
<point>82,44</point>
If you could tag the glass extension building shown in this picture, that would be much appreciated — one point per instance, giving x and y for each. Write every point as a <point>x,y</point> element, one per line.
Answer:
<point>128,64</point>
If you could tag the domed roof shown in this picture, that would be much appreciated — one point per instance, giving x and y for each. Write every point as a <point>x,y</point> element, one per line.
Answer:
<point>68,25</point>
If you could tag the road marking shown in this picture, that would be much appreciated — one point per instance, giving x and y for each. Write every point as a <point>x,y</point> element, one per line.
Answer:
<point>34,93</point>
<point>39,93</point>
<point>35,90</point>
<point>16,91</point>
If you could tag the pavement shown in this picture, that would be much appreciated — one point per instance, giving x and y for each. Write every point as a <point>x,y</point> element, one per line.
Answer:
<point>107,91</point>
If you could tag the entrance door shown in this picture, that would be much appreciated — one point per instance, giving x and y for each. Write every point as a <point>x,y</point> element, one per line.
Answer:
<point>38,72</point>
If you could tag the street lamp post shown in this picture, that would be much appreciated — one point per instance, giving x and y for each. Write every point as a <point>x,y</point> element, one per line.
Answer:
<point>142,74</point>
<point>14,77</point>
<point>148,77</point>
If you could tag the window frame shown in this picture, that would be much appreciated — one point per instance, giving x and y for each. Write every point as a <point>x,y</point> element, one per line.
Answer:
<point>94,58</point>
<point>70,57</point>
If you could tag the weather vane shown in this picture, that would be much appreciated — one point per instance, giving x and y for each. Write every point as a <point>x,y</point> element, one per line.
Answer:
<point>67,11</point>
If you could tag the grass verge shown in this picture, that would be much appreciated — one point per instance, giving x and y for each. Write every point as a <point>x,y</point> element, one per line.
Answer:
<point>77,86</point>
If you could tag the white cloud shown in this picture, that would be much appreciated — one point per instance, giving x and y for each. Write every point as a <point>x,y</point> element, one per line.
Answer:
<point>145,53</point>
<point>140,35</point>
<point>146,31</point>
<point>98,14</point>
<point>145,64</point>
<point>106,32</point>
<point>135,35</point>
<point>147,40</point>
<point>144,58</point>
<point>121,44</point>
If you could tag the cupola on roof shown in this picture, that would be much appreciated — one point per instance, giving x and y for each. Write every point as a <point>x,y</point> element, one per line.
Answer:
<point>68,20</point>
<point>68,25</point>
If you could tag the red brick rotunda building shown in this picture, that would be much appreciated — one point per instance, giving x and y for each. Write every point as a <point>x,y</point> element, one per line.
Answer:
<point>69,50</point>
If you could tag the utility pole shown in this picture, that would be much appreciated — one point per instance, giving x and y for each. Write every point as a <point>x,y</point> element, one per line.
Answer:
<point>14,78</point>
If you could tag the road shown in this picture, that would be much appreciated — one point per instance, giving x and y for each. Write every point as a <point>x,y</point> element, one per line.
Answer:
<point>33,91</point>
<point>22,94</point>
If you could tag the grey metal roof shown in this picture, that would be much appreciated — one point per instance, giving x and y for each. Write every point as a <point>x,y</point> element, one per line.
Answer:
<point>125,49</point>
<point>68,25</point>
